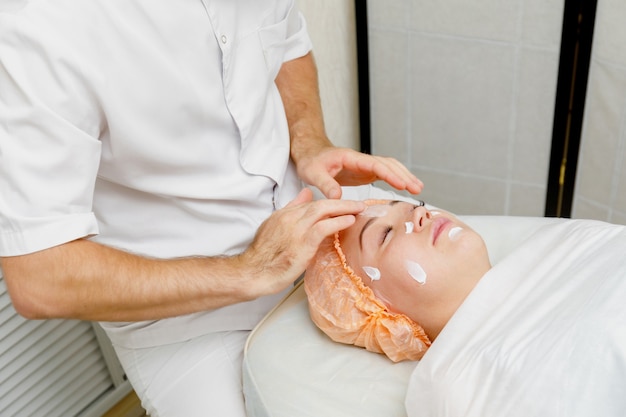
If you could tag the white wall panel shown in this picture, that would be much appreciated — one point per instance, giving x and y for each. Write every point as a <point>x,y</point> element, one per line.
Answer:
<point>331,25</point>
<point>463,93</point>
<point>600,191</point>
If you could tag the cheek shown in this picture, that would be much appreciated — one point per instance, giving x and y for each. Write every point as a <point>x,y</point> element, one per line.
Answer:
<point>415,270</point>
<point>402,283</point>
<point>461,254</point>
<point>416,275</point>
<point>409,261</point>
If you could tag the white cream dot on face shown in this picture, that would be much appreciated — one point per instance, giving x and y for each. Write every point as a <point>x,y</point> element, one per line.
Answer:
<point>372,272</point>
<point>416,271</point>
<point>454,232</point>
<point>378,210</point>
<point>434,212</point>
<point>409,226</point>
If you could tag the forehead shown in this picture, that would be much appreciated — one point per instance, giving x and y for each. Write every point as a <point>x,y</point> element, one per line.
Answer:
<point>376,209</point>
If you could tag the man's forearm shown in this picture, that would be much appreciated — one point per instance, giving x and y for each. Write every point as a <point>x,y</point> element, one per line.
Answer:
<point>86,280</point>
<point>298,85</point>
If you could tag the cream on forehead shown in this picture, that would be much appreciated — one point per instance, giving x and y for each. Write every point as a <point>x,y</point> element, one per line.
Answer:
<point>416,271</point>
<point>373,273</point>
<point>377,210</point>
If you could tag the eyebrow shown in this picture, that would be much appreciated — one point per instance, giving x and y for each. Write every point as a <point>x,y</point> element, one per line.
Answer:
<point>370,221</point>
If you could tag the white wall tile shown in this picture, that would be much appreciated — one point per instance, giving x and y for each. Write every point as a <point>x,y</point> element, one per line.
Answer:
<point>619,201</point>
<point>389,117</point>
<point>391,14</point>
<point>462,95</point>
<point>605,110</point>
<point>610,31</point>
<point>534,112</point>
<point>527,200</point>
<point>542,23</point>
<point>585,209</point>
<point>619,217</point>
<point>497,20</point>
<point>462,194</point>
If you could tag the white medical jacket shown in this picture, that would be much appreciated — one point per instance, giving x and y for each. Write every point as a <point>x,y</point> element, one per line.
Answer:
<point>153,126</point>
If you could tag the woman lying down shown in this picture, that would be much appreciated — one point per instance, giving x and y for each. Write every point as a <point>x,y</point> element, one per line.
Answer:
<point>541,333</point>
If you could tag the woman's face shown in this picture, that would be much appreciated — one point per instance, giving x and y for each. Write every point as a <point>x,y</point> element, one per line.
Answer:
<point>418,262</point>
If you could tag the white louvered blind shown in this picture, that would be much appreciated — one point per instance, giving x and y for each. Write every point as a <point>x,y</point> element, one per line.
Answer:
<point>51,367</point>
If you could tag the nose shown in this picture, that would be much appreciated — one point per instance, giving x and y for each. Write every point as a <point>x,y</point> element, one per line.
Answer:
<point>420,218</point>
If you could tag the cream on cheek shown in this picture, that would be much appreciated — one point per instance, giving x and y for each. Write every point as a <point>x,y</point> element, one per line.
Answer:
<point>415,271</point>
<point>453,234</point>
<point>372,272</point>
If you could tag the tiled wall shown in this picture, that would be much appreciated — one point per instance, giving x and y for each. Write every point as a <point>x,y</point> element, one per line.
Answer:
<point>600,191</point>
<point>463,93</point>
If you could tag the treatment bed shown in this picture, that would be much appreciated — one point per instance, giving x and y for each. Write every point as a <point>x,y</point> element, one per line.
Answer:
<point>291,369</point>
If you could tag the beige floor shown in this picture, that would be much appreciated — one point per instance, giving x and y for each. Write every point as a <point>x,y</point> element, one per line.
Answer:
<point>129,406</point>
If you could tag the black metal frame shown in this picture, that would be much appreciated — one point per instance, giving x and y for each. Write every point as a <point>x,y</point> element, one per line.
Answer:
<point>362,46</point>
<point>569,107</point>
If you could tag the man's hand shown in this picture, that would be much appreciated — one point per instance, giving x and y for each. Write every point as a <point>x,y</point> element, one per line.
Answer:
<point>333,167</point>
<point>287,241</point>
<point>319,163</point>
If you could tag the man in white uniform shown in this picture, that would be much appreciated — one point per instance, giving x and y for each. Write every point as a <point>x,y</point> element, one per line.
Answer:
<point>151,158</point>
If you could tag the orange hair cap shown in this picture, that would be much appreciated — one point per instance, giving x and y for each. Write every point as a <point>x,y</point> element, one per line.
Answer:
<point>348,311</point>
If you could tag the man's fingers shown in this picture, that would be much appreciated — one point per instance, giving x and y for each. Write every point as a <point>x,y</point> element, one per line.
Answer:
<point>327,227</point>
<point>331,189</point>
<point>304,196</point>
<point>287,241</point>
<point>395,173</point>
<point>327,184</point>
<point>410,182</point>
<point>323,209</point>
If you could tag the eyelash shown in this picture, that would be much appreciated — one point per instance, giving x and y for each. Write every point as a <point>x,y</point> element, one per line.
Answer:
<point>388,229</point>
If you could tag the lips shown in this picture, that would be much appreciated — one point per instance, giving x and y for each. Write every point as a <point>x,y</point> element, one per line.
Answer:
<point>438,227</point>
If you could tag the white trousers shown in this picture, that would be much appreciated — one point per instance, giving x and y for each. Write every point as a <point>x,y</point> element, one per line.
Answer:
<point>196,378</point>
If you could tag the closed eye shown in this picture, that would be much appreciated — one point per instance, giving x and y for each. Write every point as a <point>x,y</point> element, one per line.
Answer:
<point>384,235</point>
